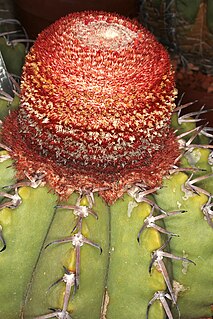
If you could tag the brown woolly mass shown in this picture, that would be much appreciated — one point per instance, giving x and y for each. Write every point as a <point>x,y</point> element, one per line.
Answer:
<point>97,95</point>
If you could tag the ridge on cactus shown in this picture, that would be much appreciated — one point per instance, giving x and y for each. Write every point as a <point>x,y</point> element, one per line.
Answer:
<point>97,116</point>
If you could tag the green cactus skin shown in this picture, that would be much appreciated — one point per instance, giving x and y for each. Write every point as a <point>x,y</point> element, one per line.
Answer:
<point>129,293</point>
<point>191,281</point>
<point>7,106</point>
<point>116,283</point>
<point>31,274</point>
<point>6,171</point>
<point>88,301</point>
<point>28,270</point>
<point>14,56</point>
<point>188,9</point>
<point>23,234</point>
<point>178,24</point>
<point>193,242</point>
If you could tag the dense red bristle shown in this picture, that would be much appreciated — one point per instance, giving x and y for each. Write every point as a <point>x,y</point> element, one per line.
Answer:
<point>97,95</point>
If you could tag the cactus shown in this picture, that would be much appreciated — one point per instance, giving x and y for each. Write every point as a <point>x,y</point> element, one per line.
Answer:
<point>13,38</point>
<point>105,185</point>
<point>185,27</point>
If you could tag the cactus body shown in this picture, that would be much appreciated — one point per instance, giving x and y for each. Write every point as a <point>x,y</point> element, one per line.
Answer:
<point>99,219</point>
<point>13,56</point>
<point>185,27</point>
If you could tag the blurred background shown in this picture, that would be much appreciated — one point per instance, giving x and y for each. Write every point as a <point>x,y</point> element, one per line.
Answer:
<point>184,27</point>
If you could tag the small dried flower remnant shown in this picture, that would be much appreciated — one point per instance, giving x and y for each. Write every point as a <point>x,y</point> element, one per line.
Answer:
<point>97,96</point>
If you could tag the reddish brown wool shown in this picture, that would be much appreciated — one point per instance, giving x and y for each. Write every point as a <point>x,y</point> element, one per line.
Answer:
<point>97,95</point>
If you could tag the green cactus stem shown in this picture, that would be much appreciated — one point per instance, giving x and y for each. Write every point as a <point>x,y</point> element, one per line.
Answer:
<point>105,185</point>
<point>185,27</point>
<point>14,56</point>
<point>189,283</point>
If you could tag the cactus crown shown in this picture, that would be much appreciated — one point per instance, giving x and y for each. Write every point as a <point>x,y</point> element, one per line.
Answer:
<point>97,96</point>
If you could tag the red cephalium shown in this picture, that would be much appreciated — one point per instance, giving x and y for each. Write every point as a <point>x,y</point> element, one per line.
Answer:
<point>97,94</point>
